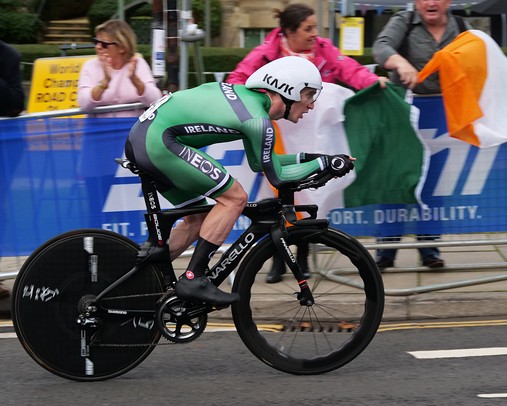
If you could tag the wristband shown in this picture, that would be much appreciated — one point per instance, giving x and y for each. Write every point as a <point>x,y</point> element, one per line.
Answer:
<point>311,157</point>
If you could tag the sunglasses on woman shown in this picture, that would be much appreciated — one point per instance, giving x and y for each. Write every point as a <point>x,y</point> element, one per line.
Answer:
<point>103,44</point>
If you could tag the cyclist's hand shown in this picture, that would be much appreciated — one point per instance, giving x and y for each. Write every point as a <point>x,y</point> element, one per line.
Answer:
<point>340,165</point>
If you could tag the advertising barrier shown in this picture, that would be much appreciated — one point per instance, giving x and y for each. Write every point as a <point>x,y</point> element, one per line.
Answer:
<point>58,174</point>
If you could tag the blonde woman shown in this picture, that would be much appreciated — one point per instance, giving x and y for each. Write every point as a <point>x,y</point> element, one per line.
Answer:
<point>116,75</point>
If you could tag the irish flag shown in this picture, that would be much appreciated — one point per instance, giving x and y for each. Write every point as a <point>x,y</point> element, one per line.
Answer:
<point>473,77</point>
<point>376,126</point>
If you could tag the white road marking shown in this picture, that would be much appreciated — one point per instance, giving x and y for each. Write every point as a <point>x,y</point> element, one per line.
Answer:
<point>470,352</point>
<point>7,335</point>
<point>493,395</point>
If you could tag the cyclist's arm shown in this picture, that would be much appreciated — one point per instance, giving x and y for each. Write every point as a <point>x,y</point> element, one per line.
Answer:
<point>259,144</point>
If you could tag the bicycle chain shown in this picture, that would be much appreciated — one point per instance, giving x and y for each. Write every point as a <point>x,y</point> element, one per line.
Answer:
<point>132,296</point>
<point>166,342</point>
<point>131,345</point>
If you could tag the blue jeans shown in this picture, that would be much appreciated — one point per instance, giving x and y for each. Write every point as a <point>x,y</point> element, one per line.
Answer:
<point>426,252</point>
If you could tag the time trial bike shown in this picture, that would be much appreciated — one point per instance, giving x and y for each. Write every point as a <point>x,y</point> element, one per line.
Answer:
<point>91,304</point>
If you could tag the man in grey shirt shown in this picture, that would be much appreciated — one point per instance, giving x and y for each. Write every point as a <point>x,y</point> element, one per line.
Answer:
<point>404,46</point>
<point>410,38</point>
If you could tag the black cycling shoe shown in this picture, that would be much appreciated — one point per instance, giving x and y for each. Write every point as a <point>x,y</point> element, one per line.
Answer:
<point>383,263</point>
<point>306,272</point>
<point>302,258</point>
<point>200,288</point>
<point>277,269</point>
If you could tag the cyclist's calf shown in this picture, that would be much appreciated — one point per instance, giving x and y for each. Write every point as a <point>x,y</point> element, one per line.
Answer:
<point>185,233</point>
<point>222,217</point>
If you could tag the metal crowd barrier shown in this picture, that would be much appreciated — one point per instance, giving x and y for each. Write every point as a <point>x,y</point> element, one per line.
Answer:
<point>340,276</point>
<point>77,111</point>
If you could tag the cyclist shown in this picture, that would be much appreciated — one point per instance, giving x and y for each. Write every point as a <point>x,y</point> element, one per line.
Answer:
<point>165,142</point>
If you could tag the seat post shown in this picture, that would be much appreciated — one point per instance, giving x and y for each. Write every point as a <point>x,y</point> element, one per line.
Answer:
<point>158,232</point>
<point>150,193</point>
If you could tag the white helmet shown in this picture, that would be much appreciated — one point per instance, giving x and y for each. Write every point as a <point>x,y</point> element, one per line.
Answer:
<point>287,76</point>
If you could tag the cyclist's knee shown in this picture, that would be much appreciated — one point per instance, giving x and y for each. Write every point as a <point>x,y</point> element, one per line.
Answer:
<point>235,197</point>
<point>241,197</point>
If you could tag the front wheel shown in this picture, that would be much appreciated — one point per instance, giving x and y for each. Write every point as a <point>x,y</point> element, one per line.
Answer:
<point>52,289</point>
<point>299,339</point>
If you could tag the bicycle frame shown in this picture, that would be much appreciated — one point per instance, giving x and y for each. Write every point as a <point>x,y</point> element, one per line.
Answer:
<point>116,299</point>
<point>268,217</point>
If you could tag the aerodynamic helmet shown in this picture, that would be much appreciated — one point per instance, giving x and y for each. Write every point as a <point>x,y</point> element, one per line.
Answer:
<point>287,76</point>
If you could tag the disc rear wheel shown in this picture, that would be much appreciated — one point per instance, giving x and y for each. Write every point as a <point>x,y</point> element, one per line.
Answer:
<point>55,285</point>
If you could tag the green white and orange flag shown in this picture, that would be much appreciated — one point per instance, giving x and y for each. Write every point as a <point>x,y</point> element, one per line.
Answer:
<point>473,78</point>
<point>376,126</point>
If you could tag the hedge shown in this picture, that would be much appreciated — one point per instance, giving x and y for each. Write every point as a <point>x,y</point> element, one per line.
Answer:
<point>215,59</point>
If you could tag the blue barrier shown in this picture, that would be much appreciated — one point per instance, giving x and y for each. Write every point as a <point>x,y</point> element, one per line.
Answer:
<point>58,174</point>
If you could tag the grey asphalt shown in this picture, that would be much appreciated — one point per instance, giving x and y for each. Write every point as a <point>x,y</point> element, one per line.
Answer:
<point>473,282</point>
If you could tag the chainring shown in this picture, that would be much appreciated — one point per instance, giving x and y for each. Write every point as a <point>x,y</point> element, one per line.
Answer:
<point>181,321</point>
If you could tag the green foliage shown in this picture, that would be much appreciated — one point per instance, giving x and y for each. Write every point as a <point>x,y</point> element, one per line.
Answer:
<point>101,11</point>
<point>142,28</point>
<point>10,5</point>
<point>199,13</point>
<point>220,59</point>
<point>142,11</point>
<point>215,59</point>
<point>19,28</point>
<point>61,9</point>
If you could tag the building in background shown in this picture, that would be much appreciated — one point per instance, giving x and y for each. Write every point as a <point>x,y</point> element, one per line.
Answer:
<point>246,22</point>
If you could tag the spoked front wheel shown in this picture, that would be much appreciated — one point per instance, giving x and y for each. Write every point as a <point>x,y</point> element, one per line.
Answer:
<point>299,339</point>
<point>53,288</point>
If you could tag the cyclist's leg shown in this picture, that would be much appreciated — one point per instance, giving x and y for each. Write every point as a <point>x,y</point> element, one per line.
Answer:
<point>188,174</point>
<point>184,234</point>
<point>219,222</point>
<point>215,229</point>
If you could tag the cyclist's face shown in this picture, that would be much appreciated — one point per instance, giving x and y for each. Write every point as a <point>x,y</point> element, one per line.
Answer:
<point>307,102</point>
<point>303,39</point>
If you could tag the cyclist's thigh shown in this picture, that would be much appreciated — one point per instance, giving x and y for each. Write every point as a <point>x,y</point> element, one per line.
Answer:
<point>191,172</point>
<point>187,173</point>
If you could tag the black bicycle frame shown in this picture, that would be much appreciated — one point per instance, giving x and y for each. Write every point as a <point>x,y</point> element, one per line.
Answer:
<point>268,217</point>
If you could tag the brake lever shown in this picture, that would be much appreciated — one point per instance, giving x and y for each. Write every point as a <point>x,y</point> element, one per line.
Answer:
<point>315,182</point>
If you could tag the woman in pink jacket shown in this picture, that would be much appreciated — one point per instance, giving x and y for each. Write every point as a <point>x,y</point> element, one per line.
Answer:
<point>297,35</point>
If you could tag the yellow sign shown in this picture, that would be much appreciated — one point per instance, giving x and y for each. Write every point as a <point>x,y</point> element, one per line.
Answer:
<point>352,35</point>
<point>54,83</point>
